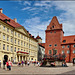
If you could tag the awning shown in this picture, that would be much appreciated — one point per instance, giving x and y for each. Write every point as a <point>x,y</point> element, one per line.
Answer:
<point>22,52</point>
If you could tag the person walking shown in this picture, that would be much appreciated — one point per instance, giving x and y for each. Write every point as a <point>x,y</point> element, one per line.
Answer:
<point>0,63</point>
<point>28,63</point>
<point>4,64</point>
<point>10,64</point>
<point>7,64</point>
<point>25,63</point>
<point>22,63</point>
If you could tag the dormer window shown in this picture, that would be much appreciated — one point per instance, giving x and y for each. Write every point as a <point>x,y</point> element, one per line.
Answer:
<point>64,41</point>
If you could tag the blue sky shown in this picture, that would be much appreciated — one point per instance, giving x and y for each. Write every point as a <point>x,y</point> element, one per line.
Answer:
<point>36,15</point>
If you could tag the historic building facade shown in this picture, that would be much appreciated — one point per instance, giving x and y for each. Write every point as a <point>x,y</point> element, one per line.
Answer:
<point>57,43</point>
<point>16,42</point>
<point>41,48</point>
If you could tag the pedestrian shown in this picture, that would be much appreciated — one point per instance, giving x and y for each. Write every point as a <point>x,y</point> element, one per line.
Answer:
<point>34,63</point>
<point>22,63</point>
<point>4,64</point>
<point>38,64</point>
<point>0,63</point>
<point>25,63</point>
<point>7,64</point>
<point>10,64</point>
<point>28,63</point>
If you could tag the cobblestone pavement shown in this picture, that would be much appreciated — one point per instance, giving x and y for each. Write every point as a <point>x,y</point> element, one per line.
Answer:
<point>31,69</point>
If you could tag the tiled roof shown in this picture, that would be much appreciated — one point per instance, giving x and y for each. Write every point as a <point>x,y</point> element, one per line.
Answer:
<point>12,22</point>
<point>68,39</point>
<point>38,37</point>
<point>42,44</point>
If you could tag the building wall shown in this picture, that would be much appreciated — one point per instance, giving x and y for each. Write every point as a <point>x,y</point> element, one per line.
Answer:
<point>20,40</point>
<point>54,35</point>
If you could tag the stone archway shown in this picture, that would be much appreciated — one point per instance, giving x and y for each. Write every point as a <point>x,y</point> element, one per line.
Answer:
<point>5,58</point>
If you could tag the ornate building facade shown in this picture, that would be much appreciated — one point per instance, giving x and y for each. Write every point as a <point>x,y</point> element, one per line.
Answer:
<point>16,43</point>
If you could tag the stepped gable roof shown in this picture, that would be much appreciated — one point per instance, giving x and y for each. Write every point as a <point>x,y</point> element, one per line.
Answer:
<point>12,22</point>
<point>68,39</point>
<point>38,37</point>
<point>54,24</point>
<point>42,44</point>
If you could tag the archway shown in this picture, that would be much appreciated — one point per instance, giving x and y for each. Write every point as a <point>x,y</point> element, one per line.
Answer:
<point>73,60</point>
<point>5,58</point>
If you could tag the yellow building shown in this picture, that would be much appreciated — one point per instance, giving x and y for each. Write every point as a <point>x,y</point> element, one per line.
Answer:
<point>16,43</point>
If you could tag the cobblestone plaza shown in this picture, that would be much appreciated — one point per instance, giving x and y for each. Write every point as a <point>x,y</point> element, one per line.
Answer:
<point>31,69</point>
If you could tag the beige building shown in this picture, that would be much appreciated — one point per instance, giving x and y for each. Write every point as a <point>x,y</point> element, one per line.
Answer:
<point>16,43</point>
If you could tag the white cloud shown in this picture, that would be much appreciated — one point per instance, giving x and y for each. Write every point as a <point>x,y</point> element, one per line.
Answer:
<point>68,16</point>
<point>27,3</point>
<point>26,8</point>
<point>34,25</point>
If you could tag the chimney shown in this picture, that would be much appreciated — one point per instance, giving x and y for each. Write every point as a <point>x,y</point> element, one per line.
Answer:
<point>15,19</point>
<point>1,10</point>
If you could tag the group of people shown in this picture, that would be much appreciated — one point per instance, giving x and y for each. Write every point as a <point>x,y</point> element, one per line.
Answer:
<point>22,63</point>
<point>27,63</point>
<point>8,64</point>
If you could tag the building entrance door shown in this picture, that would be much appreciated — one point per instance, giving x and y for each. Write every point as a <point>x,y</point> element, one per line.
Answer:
<point>5,58</point>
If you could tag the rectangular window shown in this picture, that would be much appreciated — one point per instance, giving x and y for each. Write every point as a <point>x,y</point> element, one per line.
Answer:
<point>68,51</point>
<point>63,46</point>
<point>18,49</point>
<point>7,47</point>
<point>11,39</point>
<point>15,49</point>
<point>24,37</point>
<point>3,37</point>
<point>3,27</point>
<point>15,33</point>
<point>18,42</point>
<point>3,46</point>
<point>21,49</point>
<point>15,41</point>
<point>7,38</point>
<point>18,35</point>
<point>11,31</point>
<point>7,29</point>
<point>73,51</point>
<point>24,43</point>
<point>54,52</point>
<point>21,36</point>
<point>73,45</point>
<point>21,42</point>
<point>49,51</point>
<point>62,51</point>
<point>68,46</point>
<point>11,48</point>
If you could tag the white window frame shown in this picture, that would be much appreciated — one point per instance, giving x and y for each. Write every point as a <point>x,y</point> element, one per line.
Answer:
<point>7,29</point>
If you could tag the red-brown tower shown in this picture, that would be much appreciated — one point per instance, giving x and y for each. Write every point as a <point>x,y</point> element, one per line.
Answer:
<point>54,34</point>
